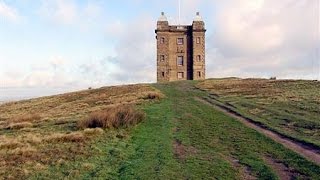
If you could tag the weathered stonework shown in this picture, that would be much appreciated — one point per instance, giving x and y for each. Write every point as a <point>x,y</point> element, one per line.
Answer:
<point>180,50</point>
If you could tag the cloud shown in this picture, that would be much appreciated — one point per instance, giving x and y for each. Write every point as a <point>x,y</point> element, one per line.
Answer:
<point>135,51</point>
<point>98,72</point>
<point>92,10</point>
<point>115,29</point>
<point>52,74</point>
<point>8,13</point>
<point>60,11</point>
<point>265,38</point>
<point>71,12</point>
<point>134,58</point>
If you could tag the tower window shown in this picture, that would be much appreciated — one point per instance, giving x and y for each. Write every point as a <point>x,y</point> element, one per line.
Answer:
<point>198,40</point>
<point>180,61</point>
<point>180,75</point>
<point>180,41</point>
<point>161,57</point>
<point>199,73</point>
<point>162,40</point>
<point>162,74</point>
<point>198,58</point>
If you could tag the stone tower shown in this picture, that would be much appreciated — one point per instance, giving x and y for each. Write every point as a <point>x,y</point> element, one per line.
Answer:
<point>180,50</point>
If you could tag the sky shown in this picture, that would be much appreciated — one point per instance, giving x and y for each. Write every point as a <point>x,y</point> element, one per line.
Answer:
<point>55,46</point>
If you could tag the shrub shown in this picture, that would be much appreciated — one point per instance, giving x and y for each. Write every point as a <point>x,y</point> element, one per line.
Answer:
<point>115,117</point>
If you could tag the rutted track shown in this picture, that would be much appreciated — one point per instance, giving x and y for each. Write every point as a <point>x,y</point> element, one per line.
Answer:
<point>310,152</point>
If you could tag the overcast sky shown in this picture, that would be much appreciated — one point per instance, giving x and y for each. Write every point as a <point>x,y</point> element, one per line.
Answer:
<point>74,44</point>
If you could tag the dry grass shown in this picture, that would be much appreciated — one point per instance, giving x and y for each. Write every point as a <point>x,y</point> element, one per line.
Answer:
<point>115,117</point>
<point>72,137</point>
<point>78,104</point>
<point>21,141</point>
<point>93,132</point>
<point>27,151</point>
<point>16,126</point>
<point>26,118</point>
<point>7,143</point>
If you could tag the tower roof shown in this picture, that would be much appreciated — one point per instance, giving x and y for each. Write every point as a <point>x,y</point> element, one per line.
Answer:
<point>162,17</point>
<point>198,17</point>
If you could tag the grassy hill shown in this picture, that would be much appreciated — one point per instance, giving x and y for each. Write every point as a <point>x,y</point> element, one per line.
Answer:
<point>290,107</point>
<point>179,138</point>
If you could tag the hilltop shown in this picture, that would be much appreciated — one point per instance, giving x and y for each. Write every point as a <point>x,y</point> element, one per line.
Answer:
<point>175,130</point>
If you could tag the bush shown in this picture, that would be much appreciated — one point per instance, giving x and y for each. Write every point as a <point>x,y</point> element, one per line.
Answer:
<point>115,117</point>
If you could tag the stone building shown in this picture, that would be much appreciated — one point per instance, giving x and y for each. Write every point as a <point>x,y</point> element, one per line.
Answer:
<point>180,50</point>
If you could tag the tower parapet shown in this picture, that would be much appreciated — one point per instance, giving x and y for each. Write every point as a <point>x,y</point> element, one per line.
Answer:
<point>198,23</point>
<point>162,23</point>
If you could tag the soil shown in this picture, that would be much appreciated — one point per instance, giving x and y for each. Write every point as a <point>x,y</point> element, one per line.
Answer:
<point>181,151</point>
<point>245,171</point>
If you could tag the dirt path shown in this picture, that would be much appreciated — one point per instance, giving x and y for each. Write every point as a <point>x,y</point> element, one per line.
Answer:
<point>282,171</point>
<point>308,152</point>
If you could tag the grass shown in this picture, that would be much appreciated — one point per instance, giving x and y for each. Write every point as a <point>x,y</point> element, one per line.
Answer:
<point>290,107</point>
<point>181,138</point>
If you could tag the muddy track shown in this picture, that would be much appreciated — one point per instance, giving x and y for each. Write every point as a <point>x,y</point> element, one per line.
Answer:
<point>308,151</point>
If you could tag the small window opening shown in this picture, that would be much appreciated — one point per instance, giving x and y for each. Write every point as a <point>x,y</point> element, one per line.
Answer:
<point>180,41</point>
<point>180,60</point>
<point>161,57</point>
<point>198,58</point>
<point>199,74</point>
<point>198,40</point>
<point>162,40</point>
<point>180,75</point>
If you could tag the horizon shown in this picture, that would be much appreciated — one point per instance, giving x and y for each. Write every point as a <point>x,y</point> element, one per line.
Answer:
<point>56,46</point>
<point>44,92</point>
